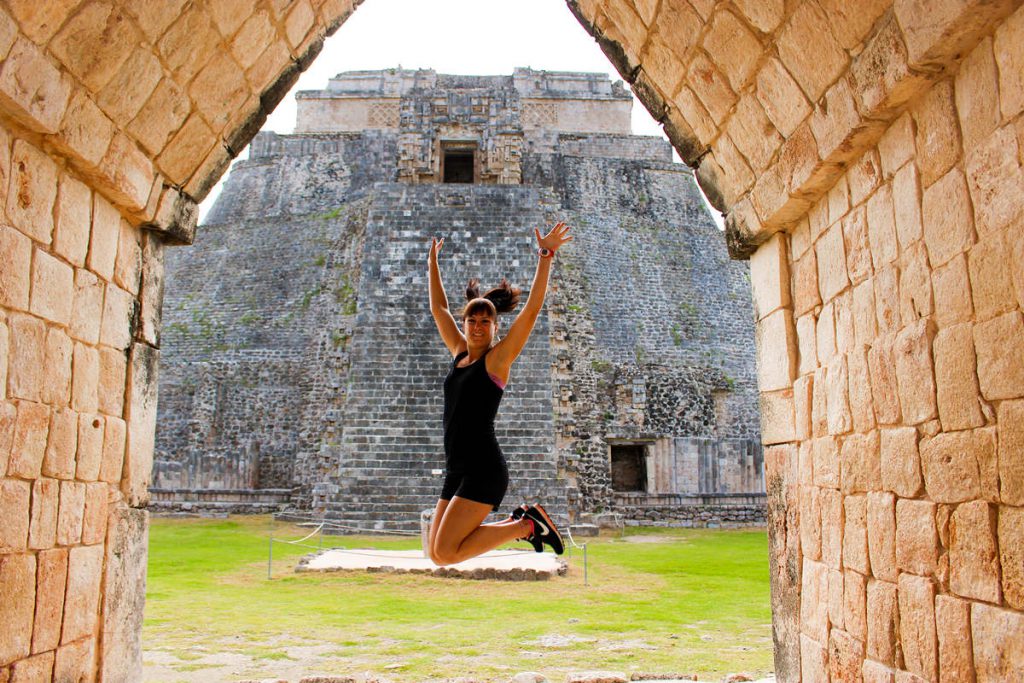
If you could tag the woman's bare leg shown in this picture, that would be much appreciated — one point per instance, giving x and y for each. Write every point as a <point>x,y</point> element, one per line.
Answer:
<point>435,522</point>
<point>462,533</point>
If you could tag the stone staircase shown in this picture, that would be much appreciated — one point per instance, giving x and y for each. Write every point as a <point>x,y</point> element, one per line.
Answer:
<point>391,455</point>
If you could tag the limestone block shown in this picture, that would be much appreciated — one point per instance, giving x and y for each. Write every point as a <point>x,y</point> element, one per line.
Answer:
<point>85,378</point>
<point>56,388</point>
<point>952,464</point>
<point>855,605</point>
<point>805,284</point>
<point>819,403</point>
<point>14,513</point>
<point>212,168</point>
<point>805,463</point>
<point>840,131</point>
<point>26,369</point>
<point>75,661</point>
<point>141,422</point>
<point>754,134</point>
<point>85,569</point>
<point>5,347</point>
<point>861,463</point>
<point>85,133</point>
<point>784,103</point>
<point>838,397</point>
<point>997,639</point>
<point>896,146</point>
<point>70,514</point>
<point>42,528</point>
<point>912,353</point>
<point>917,539</point>
<point>938,132</point>
<point>128,264</point>
<point>123,97</point>
<point>184,57</point>
<point>113,370</point>
<point>831,528</point>
<point>855,538</point>
<point>695,115</point>
<point>1000,347</point>
<point>977,94</point>
<point>1011,554</point>
<point>94,44</point>
<point>836,613</point>
<point>1014,237</point>
<point>73,220</point>
<point>193,142</point>
<point>917,625</point>
<point>161,117</point>
<point>114,439</point>
<point>222,75</point>
<point>881,525</point>
<point>769,277</point>
<point>949,283</point>
<point>973,554</point>
<point>124,592</point>
<point>61,445</point>
<point>955,378</point>
<point>118,325</point>
<point>813,660</point>
<point>883,624</point>
<point>996,180</point>
<point>906,204</point>
<point>17,595</point>
<point>32,191</point>
<point>90,447</point>
<point>874,672</point>
<point>29,444</point>
<point>16,252</point>
<point>810,523</point>
<point>845,335</point>
<point>882,78</point>
<point>825,456</point>
<point>948,220</point>
<point>806,335</point>
<point>938,32</point>
<point>776,351</point>
<point>94,519</point>
<point>299,22</point>
<point>803,396</point>
<point>267,68</point>
<point>814,600</point>
<point>808,50</point>
<point>855,241</point>
<point>32,90</point>
<point>991,281</point>
<point>710,86</point>
<point>887,298</point>
<point>258,29</point>
<point>52,288</point>
<point>777,425</point>
<point>1009,55</point>
<point>106,225</point>
<point>1010,417</point>
<point>845,656</point>
<point>864,321</point>
<point>882,227</point>
<point>87,311</point>
<point>915,284</point>
<point>825,334</point>
<point>864,177</point>
<point>128,175</point>
<point>953,624</point>
<point>861,407</point>
<point>36,668</point>
<point>51,578</point>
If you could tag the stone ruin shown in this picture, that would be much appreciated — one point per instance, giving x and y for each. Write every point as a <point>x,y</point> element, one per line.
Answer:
<point>868,157</point>
<point>301,365</point>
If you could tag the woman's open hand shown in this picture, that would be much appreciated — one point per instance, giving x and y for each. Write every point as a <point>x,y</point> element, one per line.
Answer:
<point>557,236</point>
<point>435,247</point>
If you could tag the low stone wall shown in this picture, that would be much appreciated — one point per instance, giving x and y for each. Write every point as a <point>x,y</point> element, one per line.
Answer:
<point>218,501</point>
<point>714,511</point>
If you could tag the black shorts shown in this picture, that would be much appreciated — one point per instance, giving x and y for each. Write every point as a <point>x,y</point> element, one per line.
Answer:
<point>480,486</point>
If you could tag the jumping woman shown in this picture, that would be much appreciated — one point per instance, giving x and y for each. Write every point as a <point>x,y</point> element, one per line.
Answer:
<point>476,475</point>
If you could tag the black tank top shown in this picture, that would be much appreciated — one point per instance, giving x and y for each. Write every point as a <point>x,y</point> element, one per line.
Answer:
<point>471,400</point>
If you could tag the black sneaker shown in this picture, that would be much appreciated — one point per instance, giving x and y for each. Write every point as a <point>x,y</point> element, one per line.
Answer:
<point>544,530</point>
<point>518,514</point>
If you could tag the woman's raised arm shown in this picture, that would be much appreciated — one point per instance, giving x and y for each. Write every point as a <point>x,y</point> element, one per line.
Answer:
<point>509,348</point>
<point>446,325</point>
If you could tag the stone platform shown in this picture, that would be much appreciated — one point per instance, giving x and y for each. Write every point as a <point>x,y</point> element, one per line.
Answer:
<point>502,565</point>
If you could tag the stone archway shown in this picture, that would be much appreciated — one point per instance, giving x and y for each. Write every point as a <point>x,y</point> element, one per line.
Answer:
<point>869,163</point>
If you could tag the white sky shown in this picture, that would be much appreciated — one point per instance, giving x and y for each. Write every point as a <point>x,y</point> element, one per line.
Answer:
<point>481,37</point>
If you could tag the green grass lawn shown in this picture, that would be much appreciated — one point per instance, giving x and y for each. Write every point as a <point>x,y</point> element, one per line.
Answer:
<point>659,600</point>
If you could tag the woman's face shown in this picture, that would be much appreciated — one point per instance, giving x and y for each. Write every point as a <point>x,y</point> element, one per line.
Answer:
<point>479,328</point>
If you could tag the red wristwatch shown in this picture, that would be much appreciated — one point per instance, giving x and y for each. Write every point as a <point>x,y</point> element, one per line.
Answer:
<point>545,253</point>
